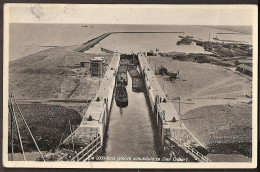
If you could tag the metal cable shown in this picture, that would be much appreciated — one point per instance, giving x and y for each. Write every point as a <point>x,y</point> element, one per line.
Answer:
<point>28,129</point>
<point>71,135</point>
<point>12,134</point>
<point>18,131</point>
<point>62,135</point>
<point>12,140</point>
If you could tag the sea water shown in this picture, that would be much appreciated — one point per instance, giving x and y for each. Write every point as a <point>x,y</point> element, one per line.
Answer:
<point>26,39</point>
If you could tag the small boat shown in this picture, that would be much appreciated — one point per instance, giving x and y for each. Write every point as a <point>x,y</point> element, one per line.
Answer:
<point>137,84</point>
<point>216,38</point>
<point>122,79</point>
<point>133,72</point>
<point>121,96</point>
<point>189,36</point>
<point>122,76</point>
<point>84,26</point>
<point>199,43</point>
<point>184,41</point>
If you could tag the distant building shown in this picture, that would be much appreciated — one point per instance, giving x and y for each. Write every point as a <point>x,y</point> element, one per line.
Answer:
<point>199,43</point>
<point>189,57</point>
<point>245,69</point>
<point>97,66</point>
<point>162,70</point>
<point>224,52</point>
<point>243,61</point>
<point>208,46</point>
<point>151,53</point>
<point>202,59</point>
<point>173,75</point>
<point>185,41</point>
<point>84,64</point>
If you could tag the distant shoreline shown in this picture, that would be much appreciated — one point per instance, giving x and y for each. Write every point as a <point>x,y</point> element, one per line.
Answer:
<point>238,33</point>
<point>241,30</point>
<point>37,39</point>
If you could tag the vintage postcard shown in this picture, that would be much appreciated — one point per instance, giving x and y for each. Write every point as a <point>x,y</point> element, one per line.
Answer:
<point>130,86</point>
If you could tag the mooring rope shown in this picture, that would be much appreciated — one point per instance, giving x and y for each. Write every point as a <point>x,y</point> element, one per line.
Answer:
<point>71,135</point>
<point>12,133</point>
<point>63,135</point>
<point>18,130</point>
<point>28,129</point>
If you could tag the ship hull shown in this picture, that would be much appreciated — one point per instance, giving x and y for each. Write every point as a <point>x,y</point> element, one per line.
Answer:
<point>137,84</point>
<point>122,76</point>
<point>120,103</point>
<point>121,97</point>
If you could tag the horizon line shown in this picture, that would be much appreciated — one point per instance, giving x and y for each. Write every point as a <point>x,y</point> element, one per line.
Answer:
<point>133,24</point>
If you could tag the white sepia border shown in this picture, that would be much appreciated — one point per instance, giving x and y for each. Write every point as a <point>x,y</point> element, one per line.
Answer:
<point>121,20</point>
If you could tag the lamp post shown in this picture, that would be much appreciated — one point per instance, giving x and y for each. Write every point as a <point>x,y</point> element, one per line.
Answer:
<point>180,116</point>
<point>12,136</point>
<point>179,105</point>
<point>99,68</point>
<point>163,83</point>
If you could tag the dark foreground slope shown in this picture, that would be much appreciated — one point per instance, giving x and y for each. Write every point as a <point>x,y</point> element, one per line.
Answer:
<point>48,124</point>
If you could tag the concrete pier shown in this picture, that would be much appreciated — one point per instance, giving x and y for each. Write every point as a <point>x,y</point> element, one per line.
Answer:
<point>96,118</point>
<point>164,111</point>
<point>154,89</point>
<point>167,118</point>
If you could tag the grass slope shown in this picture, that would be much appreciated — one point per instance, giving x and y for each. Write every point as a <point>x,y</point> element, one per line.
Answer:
<point>222,128</point>
<point>46,73</point>
<point>46,122</point>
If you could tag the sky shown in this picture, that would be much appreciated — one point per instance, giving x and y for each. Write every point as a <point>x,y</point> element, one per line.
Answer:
<point>132,14</point>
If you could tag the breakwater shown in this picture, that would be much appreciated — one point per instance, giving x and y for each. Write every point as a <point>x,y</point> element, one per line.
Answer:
<point>144,32</point>
<point>91,43</point>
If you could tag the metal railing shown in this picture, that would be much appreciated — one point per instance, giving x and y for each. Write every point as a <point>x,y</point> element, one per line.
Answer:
<point>195,152</point>
<point>107,51</point>
<point>89,150</point>
<point>170,142</point>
